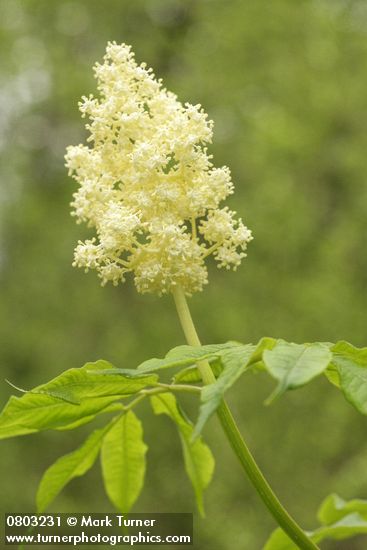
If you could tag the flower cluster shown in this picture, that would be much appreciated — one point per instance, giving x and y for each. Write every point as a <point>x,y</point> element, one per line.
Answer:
<point>147,184</point>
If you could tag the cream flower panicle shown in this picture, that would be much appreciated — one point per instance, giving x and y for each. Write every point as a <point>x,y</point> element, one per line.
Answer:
<point>147,184</point>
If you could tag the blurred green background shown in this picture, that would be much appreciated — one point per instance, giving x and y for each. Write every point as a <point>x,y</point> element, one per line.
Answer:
<point>286,84</point>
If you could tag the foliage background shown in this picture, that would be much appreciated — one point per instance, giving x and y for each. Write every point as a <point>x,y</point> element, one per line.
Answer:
<point>286,85</point>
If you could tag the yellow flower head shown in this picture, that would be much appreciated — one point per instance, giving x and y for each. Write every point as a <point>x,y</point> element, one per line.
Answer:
<point>147,184</point>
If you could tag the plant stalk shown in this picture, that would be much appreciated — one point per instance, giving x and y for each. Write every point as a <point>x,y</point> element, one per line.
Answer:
<point>284,520</point>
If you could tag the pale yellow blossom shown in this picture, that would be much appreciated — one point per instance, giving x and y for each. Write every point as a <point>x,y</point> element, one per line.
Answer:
<point>147,184</point>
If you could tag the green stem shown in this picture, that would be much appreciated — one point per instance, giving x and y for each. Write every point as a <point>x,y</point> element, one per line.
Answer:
<point>284,520</point>
<point>162,388</point>
<point>180,388</point>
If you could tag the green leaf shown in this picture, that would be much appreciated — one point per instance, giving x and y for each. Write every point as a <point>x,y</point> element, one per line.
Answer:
<point>334,508</point>
<point>280,541</point>
<point>199,461</point>
<point>105,368</point>
<point>123,461</point>
<point>348,526</point>
<point>33,412</point>
<point>69,400</point>
<point>332,375</point>
<point>344,349</point>
<point>8,429</point>
<point>266,343</point>
<point>351,364</point>
<point>192,374</point>
<point>68,467</point>
<point>75,385</point>
<point>294,365</point>
<point>183,356</point>
<point>113,407</point>
<point>235,361</point>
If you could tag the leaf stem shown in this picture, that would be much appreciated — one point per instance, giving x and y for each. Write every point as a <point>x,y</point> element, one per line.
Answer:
<point>162,388</point>
<point>284,520</point>
<point>180,387</point>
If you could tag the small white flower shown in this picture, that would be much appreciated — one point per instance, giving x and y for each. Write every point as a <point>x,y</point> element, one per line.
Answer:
<point>87,255</point>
